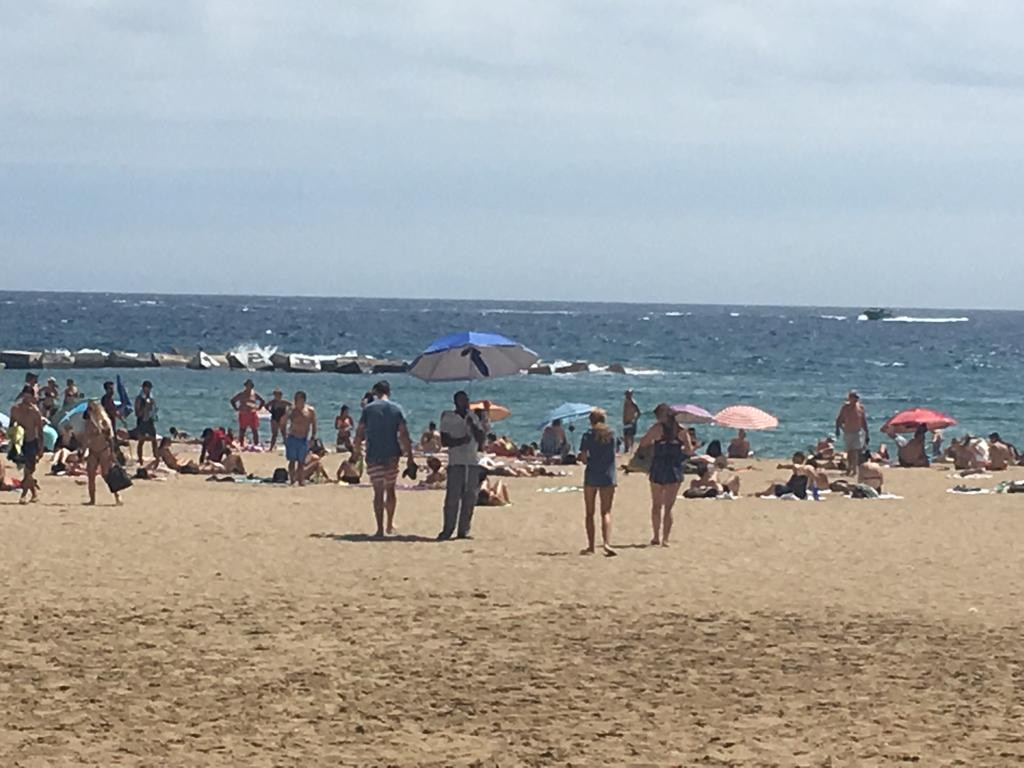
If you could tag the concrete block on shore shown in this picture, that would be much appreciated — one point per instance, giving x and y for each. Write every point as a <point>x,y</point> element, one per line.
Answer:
<point>390,366</point>
<point>616,368</point>
<point>348,365</point>
<point>220,360</point>
<point>16,359</point>
<point>252,360</point>
<point>295,363</point>
<point>57,359</point>
<point>91,358</point>
<point>130,360</point>
<point>166,360</point>
<point>201,361</point>
<point>541,370</point>
<point>577,367</point>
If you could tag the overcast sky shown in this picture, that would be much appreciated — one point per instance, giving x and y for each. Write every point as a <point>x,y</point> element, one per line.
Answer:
<point>811,152</point>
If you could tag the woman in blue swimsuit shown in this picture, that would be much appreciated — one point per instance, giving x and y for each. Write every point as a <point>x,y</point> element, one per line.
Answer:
<point>672,445</point>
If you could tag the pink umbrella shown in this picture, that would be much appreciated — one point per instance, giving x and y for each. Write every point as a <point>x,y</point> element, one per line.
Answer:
<point>745,417</point>
<point>692,414</point>
<point>909,421</point>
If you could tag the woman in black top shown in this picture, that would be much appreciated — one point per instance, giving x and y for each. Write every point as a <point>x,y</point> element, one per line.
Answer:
<point>597,452</point>
<point>672,446</point>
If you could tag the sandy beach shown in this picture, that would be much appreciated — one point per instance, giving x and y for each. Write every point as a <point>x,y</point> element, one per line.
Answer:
<point>220,624</point>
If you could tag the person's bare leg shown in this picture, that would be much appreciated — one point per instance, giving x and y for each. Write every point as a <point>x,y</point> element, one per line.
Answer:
<point>607,495</point>
<point>852,460</point>
<point>589,499</point>
<point>390,502</point>
<point>140,444</point>
<point>26,484</point>
<point>91,465</point>
<point>255,435</point>
<point>656,513</point>
<point>733,486</point>
<point>669,493</point>
<point>378,509</point>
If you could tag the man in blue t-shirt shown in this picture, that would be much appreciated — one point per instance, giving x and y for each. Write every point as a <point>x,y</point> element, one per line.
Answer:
<point>382,426</point>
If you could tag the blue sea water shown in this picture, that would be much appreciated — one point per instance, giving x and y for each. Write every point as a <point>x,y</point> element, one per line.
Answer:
<point>797,362</point>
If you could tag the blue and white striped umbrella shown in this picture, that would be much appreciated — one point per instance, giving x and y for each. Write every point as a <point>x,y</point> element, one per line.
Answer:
<point>471,355</point>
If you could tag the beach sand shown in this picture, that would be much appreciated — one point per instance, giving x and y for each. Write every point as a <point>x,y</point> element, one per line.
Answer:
<point>207,624</point>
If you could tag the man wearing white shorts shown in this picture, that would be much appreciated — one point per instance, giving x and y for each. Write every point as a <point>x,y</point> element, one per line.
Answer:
<point>851,421</point>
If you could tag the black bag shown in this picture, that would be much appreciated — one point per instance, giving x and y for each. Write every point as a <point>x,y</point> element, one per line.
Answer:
<point>117,479</point>
<point>280,476</point>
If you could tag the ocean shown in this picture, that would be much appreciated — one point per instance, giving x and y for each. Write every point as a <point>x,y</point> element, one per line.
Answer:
<point>796,362</point>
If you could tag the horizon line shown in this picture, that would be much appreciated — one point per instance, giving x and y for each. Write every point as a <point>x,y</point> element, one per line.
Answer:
<point>502,299</point>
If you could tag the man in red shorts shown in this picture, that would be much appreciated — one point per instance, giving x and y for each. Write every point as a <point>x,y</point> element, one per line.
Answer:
<point>248,403</point>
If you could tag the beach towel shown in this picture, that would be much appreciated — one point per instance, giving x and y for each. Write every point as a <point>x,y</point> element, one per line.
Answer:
<point>968,491</point>
<point>881,496</point>
<point>561,489</point>
<point>791,497</point>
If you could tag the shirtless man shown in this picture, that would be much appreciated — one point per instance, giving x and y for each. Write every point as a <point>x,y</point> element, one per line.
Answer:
<point>630,421</point>
<point>850,421</point>
<point>26,414</point>
<point>913,452</point>
<point>739,446</point>
<point>278,408</point>
<point>248,403</point>
<point>301,429</point>
<point>1000,453</point>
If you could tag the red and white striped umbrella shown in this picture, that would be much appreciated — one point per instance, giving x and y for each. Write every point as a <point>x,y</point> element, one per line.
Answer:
<point>745,417</point>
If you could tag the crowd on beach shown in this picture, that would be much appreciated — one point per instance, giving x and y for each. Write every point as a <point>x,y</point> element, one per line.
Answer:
<point>461,453</point>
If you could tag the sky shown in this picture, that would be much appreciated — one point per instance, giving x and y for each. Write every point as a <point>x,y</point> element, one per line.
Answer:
<point>777,152</point>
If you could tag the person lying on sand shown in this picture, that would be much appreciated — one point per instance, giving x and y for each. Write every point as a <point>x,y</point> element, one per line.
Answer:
<point>870,475</point>
<point>708,485</point>
<point>803,476</point>
<point>493,493</point>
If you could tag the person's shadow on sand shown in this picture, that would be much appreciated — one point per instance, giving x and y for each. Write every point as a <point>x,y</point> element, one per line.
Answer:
<point>369,538</point>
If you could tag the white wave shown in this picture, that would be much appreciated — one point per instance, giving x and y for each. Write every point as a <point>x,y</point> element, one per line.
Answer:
<point>678,314</point>
<point>907,319</point>
<point>646,317</point>
<point>269,332</point>
<point>643,371</point>
<point>882,364</point>
<point>148,303</point>
<point>734,314</point>
<point>120,301</point>
<point>244,349</point>
<point>832,317</point>
<point>509,311</point>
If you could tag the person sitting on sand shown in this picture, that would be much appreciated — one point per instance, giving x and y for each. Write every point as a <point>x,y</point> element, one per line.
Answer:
<point>970,455</point>
<point>825,450</point>
<point>313,465</point>
<point>436,474</point>
<point>430,440</point>
<point>1000,454</point>
<point>739,446</point>
<point>349,472</point>
<point>553,443</point>
<point>803,477</point>
<point>493,493</point>
<point>708,485</point>
<point>166,455</point>
<point>914,452</point>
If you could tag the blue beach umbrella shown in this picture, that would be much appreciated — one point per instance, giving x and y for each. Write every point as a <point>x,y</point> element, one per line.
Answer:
<point>124,407</point>
<point>567,412</point>
<point>470,356</point>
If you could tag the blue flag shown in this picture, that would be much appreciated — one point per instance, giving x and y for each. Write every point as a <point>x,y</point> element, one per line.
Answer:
<point>122,394</point>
